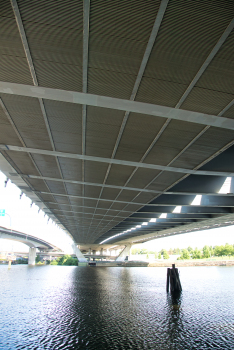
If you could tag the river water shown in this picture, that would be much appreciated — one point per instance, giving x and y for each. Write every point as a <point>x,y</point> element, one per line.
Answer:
<point>98,308</point>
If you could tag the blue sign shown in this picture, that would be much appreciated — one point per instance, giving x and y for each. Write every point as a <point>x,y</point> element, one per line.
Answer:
<point>2,212</point>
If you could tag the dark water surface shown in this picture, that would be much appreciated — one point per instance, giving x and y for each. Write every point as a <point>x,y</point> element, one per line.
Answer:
<point>61,307</point>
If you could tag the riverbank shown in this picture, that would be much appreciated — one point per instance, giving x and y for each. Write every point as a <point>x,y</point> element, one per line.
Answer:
<point>189,263</point>
<point>165,263</point>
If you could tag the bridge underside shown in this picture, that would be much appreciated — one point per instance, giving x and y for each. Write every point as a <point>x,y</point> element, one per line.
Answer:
<point>31,241</point>
<point>113,113</point>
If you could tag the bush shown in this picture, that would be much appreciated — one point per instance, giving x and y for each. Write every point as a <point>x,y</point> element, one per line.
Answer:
<point>185,255</point>
<point>65,260</point>
<point>54,262</point>
<point>71,262</point>
<point>196,254</point>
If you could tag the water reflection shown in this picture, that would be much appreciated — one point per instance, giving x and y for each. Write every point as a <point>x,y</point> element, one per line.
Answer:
<point>55,307</point>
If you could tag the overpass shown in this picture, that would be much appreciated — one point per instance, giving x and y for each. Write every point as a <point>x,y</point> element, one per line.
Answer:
<point>115,115</point>
<point>31,241</point>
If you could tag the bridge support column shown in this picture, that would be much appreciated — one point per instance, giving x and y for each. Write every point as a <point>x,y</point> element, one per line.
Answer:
<point>125,254</point>
<point>101,253</point>
<point>82,261</point>
<point>31,256</point>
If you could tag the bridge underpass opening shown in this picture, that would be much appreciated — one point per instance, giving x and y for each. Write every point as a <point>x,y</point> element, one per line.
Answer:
<point>110,128</point>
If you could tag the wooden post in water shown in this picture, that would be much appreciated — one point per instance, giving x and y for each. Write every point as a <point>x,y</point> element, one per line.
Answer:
<point>173,279</point>
<point>168,279</point>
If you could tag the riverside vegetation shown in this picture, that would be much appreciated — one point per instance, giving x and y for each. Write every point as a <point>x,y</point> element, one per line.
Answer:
<point>206,252</point>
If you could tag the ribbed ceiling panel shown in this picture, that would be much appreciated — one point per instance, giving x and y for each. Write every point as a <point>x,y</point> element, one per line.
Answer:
<point>219,76</point>
<point>174,139</point>
<point>119,174</point>
<point>56,13</point>
<point>206,101</point>
<point>14,66</point>
<point>109,193</point>
<point>188,33</point>
<point>165,180</point>
<point>204,147</point>
<point>76,202</point>
<point>92,191</point>
<point>105,123</point>
<point>139,133</point>
<point>54,32</point>
<point>38,185</point>
<point>22,162</point>
<point>62,199</point>
<point>47,165</point>
<point>65,121</point>
<point>166,93</point>
<point>27,117</point>
<point>142,177</point>
<point>56,187</point>
<point>127,196</point>
<point>71,168</point>
<point>75,190</point>
<point>119,35</point>
<point>94,173</point>
<point>229,113</point>
<point>7,132</point>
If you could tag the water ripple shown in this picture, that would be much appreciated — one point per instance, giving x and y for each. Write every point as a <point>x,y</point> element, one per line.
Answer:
<point>55,307</point>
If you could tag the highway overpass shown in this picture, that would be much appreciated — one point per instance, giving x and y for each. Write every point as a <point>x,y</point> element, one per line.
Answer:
<point>115,115</point>
<point>31,241</point>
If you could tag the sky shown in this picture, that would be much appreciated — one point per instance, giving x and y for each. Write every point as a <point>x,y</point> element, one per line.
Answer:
<point>26,219</point>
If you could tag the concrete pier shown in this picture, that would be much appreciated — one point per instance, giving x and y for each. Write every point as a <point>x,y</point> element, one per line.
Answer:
<point>31,256</point>
<point>82,261</point>
<point>125,254</point>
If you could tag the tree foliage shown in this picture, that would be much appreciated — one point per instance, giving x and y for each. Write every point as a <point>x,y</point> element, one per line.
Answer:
<point>185,255</point>
<point>165,255</point>
<point>196,254</point>
<point>65,260</point>
<point>189,253</point>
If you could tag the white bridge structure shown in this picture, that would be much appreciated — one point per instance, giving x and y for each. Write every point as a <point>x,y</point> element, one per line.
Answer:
<point>31,241</point>
<point>117,117</point>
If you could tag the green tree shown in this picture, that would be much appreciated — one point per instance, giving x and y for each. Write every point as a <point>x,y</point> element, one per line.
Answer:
<point>211,250</point>
<point>159,255</point>
<point>185,255</point>
<point>143,251</point>
<point>206,251</point>
<point>170,251</point>
<point>54,262</point>
<point>71,262</point>
<point>37,259</point>
<point>190,249</point>
<point>62,260</point>
<point>219,250</point>
<point>228,249</point>
<point>165,255</point>
<point>196,254</point>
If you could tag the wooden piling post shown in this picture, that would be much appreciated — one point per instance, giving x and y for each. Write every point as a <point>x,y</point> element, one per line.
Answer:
<point>173,279</point>
<point>168,279</point>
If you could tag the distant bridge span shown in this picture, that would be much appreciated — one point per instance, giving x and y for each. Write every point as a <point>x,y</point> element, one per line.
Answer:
<point>33,242</point>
